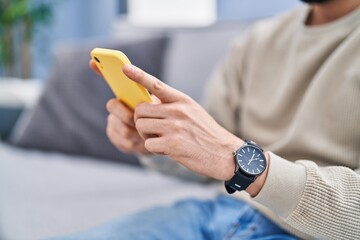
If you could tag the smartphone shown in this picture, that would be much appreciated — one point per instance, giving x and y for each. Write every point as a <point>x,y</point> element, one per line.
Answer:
<point>110,63</point>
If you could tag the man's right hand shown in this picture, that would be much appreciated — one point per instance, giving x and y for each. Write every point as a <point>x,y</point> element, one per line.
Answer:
<point>121,126</point>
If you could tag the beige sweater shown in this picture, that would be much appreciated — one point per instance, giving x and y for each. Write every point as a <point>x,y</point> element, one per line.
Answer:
<point>296,91</point>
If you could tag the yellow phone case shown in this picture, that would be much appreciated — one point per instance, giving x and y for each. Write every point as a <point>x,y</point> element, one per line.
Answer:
<point>110,63</point>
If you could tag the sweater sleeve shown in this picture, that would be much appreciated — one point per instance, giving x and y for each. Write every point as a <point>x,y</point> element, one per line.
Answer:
<point>224,91</point>
<point>323,202</point>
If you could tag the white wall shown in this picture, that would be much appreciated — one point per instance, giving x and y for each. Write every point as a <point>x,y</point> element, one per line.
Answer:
<point>172,12</point>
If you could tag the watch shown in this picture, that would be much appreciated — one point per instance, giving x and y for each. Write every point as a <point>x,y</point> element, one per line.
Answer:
<point>250,162</point>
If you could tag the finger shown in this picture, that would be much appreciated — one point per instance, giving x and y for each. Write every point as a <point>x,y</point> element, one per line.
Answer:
<point>122,129</point>
<point>148,130</point>
<point>156,145</point>
<point>93,66</point>
<point>160,111</point>
<point>120,142</point>
<point>151,127</point>
<point>164,92</point>
<point>150,110</point>
<point>125,139</point>
<point>121,111</point>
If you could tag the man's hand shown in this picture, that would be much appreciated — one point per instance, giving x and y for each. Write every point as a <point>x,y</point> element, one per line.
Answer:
<point>177,126</point>
<point>121,126</point>
<point>182,129</point>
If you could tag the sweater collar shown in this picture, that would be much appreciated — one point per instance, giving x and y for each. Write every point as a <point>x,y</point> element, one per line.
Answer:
<point>346,23</point>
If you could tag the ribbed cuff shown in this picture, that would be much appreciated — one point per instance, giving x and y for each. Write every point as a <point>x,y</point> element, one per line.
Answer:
<point>284,186</point>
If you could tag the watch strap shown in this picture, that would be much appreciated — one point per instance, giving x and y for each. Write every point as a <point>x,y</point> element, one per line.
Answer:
<point>238,182</point>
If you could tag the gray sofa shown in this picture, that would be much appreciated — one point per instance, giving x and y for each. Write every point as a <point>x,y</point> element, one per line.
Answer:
<point>60,174</point>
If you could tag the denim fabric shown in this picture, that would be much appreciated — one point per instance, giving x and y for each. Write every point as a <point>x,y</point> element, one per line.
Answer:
<point>221,218</point>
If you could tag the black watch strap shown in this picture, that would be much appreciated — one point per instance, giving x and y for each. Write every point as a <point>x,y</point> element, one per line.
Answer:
<point>238,183</point>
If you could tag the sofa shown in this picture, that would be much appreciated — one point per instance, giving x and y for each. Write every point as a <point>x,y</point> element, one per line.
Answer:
<point>59,173</point>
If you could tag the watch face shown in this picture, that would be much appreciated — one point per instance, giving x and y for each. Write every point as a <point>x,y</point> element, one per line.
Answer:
<point>251,160</point>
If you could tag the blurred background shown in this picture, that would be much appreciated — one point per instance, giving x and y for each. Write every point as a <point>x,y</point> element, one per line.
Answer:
<point>30,30</point>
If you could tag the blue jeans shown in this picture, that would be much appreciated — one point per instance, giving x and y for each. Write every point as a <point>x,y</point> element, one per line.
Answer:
<point>221,218</point>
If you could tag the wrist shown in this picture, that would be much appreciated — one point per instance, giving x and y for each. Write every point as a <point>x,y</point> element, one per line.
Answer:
<point>229,167</point>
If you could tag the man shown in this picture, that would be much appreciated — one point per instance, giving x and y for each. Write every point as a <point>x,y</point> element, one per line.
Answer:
<point>293,86</point>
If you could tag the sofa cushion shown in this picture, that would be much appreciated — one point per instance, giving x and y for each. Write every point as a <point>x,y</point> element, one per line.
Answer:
<point>70,117</point>
<point>50,194</point>
<point>192,55</point>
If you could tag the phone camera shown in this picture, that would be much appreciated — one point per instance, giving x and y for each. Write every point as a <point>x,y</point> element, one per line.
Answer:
<point>96,59</point>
